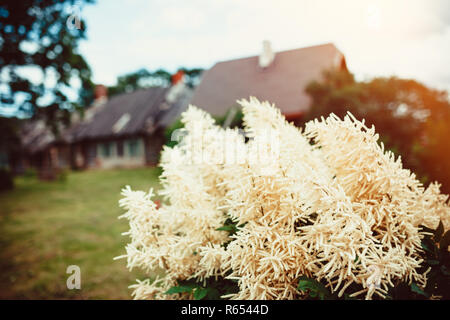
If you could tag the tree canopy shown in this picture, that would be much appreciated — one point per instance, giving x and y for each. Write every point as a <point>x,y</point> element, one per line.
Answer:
<point>144,78</point>
<point>41,71</point>
<point>412,119</point>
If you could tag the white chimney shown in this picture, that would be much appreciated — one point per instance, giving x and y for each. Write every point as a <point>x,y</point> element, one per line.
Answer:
<point>266,57</point>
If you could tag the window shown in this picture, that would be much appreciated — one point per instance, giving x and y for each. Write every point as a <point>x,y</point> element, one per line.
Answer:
<point>134,148</point>
<point>121,123</point>
<point>106,149</point>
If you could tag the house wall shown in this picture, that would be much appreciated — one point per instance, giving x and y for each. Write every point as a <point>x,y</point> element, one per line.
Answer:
<point>137,151</point>
<point>61,156</point>
<point>46,164</point>
<point>125,153</point>
<point>153,147</point>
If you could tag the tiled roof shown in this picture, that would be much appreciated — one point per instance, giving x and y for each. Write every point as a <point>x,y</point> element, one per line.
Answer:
<point>146,109</point>
<point>282,82</point>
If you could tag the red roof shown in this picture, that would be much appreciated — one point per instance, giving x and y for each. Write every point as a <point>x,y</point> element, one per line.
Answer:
<point>282,83</point>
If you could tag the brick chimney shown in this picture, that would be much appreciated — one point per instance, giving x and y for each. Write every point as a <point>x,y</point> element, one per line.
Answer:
<point>175,90</point>
<point>100,99</point>
<point>267,55</point>
<point>177,77</point>
<point>100,93</point>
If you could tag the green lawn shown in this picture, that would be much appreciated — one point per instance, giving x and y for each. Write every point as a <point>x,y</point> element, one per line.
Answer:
<point>47,226</point>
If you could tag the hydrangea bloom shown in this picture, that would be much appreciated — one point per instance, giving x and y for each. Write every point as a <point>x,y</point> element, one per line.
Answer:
<point>327,203</point>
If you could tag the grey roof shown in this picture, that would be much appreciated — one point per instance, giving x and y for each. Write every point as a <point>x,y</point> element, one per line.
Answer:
<point>282,82</point>
<point>166,118</point>
<point>147,110</point>
<point>35,135</point>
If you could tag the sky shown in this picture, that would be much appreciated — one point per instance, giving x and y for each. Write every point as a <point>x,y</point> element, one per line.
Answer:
<point>409,39</point>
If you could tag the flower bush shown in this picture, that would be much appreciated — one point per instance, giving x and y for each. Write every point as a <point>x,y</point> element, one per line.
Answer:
<point>255,215</point>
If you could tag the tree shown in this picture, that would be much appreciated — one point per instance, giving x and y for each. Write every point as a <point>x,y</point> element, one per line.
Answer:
<point>435,153</point>
<point>41,37</point>
<point>411,118</point>
<point>192,76</point>
<point>9,147</point>
<point>9,137</point>
<point>143,78</point>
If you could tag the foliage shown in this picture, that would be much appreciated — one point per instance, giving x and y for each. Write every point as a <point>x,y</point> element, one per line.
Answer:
<point>34,35</point>
<point>139,79</point>
<point>9,137</point>
<point>412,119</point>
<point>313,288</point>
<point>436,264</point>
<point>230,226</point>
<point>143,78</point>
<point>434,153</point>
<point>212,289</point>
<point>192,76</point>
<point>236,121</point>
<point>171,140</point>
<point>436,258</point>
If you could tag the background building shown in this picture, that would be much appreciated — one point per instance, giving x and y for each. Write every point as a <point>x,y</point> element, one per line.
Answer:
<point>276,77</point>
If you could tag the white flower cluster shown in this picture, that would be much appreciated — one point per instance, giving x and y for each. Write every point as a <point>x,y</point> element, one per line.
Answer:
<point>329,204</point>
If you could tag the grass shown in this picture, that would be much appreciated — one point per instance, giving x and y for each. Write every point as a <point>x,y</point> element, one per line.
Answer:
<point>47,226</point>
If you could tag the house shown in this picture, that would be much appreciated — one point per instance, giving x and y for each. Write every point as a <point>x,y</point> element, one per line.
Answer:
<point>36,148</point>
<point>126,130</point>
<point>279,78</point>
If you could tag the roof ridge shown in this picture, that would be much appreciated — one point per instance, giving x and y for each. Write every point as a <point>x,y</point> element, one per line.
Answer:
<point>139,90</point>
<point>280,52</point>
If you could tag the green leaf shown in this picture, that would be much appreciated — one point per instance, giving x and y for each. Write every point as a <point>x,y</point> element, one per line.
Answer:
<point>214,294</point>
<point>228,228</point>
<point>429,245</point>
<point>180,289</point>
<point>200,293</point>
<point>425,246</point>
<point>445,241</point>
<point>415,288</point>
<point>313,287</point>
<point>439,231</point>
